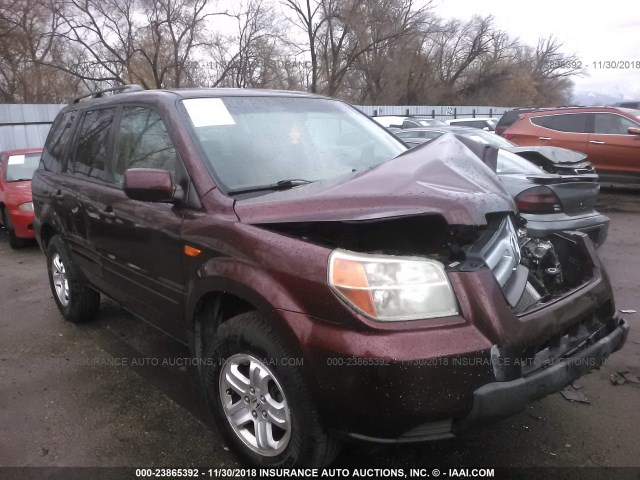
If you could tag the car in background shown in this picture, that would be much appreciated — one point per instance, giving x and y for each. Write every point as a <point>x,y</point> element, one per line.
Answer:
<point>555,189</point>
<point>633,104</point>
<point>389,120</point>
<point>421,121</point>
<point>610,136</point>
<point>551,159</point>
<point>481,123</point>
<point>16,204</point>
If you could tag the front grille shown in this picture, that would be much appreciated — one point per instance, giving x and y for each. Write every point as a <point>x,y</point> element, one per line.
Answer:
<point>529,297</point>
<point>498,249</point>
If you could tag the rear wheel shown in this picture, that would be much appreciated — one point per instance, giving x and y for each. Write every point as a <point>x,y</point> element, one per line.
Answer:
<point>76,300</point>
<point>259,400</point>
<point>14,241</point>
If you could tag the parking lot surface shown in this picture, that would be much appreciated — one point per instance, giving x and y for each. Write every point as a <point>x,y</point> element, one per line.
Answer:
<point>91,395</point>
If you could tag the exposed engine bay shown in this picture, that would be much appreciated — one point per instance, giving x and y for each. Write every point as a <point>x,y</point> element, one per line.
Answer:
<point>530,271</point>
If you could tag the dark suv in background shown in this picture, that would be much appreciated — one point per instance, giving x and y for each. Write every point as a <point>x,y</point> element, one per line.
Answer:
<point>331,283</point>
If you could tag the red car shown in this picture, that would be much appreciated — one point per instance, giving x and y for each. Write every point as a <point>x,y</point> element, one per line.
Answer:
<point>16,205</point>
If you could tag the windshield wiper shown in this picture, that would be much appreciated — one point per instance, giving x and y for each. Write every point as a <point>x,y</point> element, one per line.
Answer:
<point>281,185</point>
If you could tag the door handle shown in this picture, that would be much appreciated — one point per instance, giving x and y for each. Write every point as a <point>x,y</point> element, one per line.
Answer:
<point>544,138</point>
<point>597,142</point>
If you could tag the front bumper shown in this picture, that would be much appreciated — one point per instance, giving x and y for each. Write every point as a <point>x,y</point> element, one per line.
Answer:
<point>22,223</point>
<point>498,400</point>
<point>413,381</point>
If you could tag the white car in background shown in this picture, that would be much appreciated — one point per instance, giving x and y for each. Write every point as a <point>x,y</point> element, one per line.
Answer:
<point>390,120</point>
<point>484,123</point>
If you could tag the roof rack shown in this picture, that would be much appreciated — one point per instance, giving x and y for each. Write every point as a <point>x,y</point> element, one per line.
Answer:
<point>114,90</point>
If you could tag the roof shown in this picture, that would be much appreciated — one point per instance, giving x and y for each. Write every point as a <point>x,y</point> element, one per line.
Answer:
<point>580,109</point>
<point>131,93</point>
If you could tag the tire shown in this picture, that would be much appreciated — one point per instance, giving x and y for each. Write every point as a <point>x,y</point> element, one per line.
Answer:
<point>242,344</point>
<point>76,300</point>
<point>14,241</point>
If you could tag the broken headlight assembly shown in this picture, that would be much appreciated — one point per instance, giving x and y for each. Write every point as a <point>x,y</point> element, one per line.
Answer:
<point>392,288</point>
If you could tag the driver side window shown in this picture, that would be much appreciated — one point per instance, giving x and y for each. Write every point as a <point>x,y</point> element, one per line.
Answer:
<point>143,142</point>
<point>607,123</point>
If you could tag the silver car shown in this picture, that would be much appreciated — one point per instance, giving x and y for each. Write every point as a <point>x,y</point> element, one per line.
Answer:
<point>555,189</point>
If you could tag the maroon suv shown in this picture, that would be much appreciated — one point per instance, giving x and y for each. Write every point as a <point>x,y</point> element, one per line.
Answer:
<point>331,283</point>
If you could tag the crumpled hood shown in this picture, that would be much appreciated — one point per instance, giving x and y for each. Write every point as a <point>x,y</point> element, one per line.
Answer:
<point>441,177</point>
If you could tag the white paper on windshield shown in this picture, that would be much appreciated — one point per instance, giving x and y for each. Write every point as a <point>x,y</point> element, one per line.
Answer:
<point>16,160</point>
<point>208,112</point>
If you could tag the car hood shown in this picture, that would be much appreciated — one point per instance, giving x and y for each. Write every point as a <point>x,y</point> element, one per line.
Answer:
<point>442,177</point>
<point>17,192</point>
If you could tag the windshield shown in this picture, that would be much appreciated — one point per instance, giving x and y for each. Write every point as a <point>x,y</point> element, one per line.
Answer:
<point>510,163</point>
<point>256,141</point>
<point>487,138</point>
<point>21,167</point>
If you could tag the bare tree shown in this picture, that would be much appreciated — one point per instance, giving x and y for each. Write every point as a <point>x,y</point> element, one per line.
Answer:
<point>176,29</point>
<point>27,40</point>
<point>123,41</point>
<point>366,51</point>
<point>310,16</point>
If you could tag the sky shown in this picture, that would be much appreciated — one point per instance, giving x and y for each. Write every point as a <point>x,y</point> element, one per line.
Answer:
<point>593,31</point>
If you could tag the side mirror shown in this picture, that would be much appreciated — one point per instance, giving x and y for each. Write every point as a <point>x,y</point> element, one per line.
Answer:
<point>634,130</point>
<point>148,185</point>
<point>486,129</point>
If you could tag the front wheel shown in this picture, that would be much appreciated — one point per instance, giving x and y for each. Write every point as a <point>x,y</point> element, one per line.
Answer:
<point>76,300</point>
<point>14,241</point>
<point>259,400</point>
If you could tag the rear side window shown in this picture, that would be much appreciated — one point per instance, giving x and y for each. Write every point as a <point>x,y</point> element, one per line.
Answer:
<point>543,121</point>
<point>57,140</point>
<point>609,124</point>
<point>509,118</point>
<point>92,148</point>
<point>570,123</point>
<point>143,142</point>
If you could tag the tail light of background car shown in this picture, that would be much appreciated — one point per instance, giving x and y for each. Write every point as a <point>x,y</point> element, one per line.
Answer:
<point>538,200</point>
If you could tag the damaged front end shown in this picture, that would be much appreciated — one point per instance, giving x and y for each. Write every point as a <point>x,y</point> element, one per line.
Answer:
<point>530,271</point>
<point>436,272</point>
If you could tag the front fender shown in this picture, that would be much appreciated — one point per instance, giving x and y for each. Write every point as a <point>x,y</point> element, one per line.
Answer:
<point>227,275</point>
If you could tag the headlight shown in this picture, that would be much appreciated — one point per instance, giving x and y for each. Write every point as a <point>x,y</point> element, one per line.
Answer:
<point>26,207</point>
<point>391,288</point>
